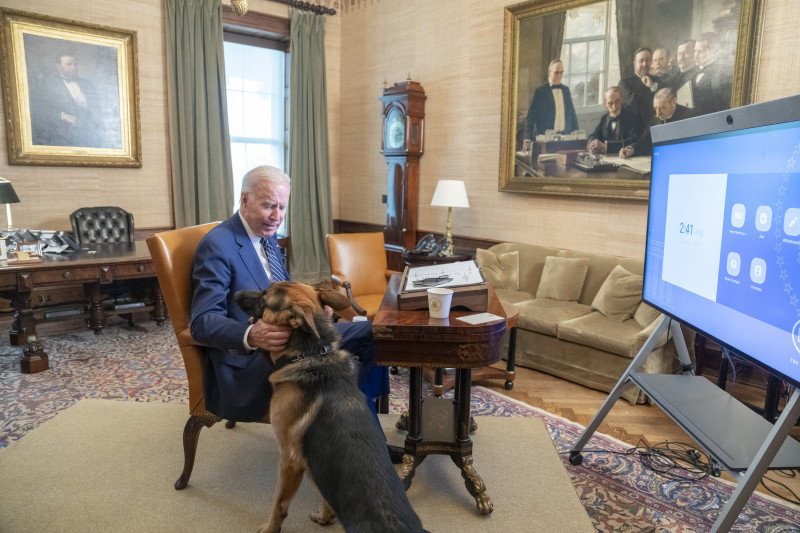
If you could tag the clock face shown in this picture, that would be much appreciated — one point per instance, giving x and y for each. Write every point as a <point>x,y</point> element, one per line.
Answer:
<point>395,129</point>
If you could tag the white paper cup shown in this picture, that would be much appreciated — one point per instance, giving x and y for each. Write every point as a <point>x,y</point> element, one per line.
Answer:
<point>439,302</point>
<point>359,318</point>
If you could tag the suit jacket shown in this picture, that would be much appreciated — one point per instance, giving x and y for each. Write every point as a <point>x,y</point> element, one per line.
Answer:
<point>629,129</point>
<point>49,99</point>
<point>643,145</point>
<point>542,112</point>
<point>712,92</point>
<point>235,381</point>
<point>638,95</point>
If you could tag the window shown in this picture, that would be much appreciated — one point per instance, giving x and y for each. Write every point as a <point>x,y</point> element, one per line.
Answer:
<point>585,52</point>
<point>256,80</point>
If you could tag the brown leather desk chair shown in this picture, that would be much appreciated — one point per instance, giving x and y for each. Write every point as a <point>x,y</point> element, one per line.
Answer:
<point>358,268</point>
<point>172,253</point>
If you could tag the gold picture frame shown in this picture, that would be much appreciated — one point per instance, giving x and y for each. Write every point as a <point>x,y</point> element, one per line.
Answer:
<point>70,91</point>
<point>529,31</point>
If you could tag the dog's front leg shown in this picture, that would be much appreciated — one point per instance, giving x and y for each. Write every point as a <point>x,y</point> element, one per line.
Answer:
<point>289,478</point>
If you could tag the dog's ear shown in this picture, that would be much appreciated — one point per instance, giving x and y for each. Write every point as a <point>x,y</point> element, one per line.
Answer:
<point>250,301</point>
<point>303,317</point>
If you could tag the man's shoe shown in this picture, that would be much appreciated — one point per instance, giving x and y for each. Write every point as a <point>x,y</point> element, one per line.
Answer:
<point>396,453</point>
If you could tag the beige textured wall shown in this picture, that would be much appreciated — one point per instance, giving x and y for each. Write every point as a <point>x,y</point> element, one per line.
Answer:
<point>454,49</point>
<point>49,194</point>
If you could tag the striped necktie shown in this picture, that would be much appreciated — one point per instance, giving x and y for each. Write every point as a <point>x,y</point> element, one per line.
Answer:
<point>274,260</point>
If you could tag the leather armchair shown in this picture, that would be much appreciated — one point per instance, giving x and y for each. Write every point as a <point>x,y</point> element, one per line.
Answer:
<point>102,224</point>
<point>359,269</point>
<point>172,253</point>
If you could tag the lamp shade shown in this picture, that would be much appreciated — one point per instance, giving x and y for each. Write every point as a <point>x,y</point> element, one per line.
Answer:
<point>7,194</point>
<point>450,193</point>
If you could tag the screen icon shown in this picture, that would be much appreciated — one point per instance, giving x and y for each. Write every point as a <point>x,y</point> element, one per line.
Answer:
<point>763,218</point>
<point>758,270</point>
<point>737,215</point>
<point>734,263</point>
<point>791,222</point>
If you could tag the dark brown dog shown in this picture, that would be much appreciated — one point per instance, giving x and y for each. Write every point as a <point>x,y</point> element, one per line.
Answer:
<point>321,419</point>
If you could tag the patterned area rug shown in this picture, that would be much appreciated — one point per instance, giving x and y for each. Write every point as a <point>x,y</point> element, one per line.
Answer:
<point>144,365</point>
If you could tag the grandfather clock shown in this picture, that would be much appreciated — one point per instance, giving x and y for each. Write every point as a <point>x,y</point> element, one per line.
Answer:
<point>402,145</point>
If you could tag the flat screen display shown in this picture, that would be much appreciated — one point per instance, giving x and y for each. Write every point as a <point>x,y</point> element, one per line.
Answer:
<point>723,236</point>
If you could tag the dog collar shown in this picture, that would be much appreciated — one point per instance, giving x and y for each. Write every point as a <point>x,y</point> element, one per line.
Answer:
<point>285,360</point>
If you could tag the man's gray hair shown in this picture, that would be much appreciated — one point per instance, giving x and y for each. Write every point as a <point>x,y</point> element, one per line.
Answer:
<point>264,172</point>
<point>665,94</point>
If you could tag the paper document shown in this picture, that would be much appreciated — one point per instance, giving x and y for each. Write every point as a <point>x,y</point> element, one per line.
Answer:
<point>480,318</point>
<point>638,163</point>
<point>456,274</point>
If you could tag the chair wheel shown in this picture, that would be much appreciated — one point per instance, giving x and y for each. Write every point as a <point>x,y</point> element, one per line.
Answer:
<point>230,423</point>
<point>509,385</point>
<point>575,458</point>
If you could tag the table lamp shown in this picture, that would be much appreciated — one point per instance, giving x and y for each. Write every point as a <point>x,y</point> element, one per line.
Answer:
<point>8,197</point>
<point>450,194</point>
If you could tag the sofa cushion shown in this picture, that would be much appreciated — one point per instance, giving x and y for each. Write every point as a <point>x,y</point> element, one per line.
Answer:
<point>500,270</point>
<point>562,278</point>
<point>544,315</point>
<point>600,266</point>
<point>645,315</point>
<point>598,331</point>
<point>619,294</point>
<point>507,296</point>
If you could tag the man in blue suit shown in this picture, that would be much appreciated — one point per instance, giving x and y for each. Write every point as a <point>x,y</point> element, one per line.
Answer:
<point>241,253</point>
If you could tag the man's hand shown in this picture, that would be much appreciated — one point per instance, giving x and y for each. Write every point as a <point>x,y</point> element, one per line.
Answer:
<point>626,152</point>
<point>597,147</point>
<point>269,337</point>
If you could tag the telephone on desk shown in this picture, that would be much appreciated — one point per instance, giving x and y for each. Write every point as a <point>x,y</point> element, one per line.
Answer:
<point>429,246</point>
<point>50,241</point>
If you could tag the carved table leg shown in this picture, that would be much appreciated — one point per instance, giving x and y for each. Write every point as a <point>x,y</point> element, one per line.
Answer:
<point>24,321</point>
<point>414,435</point>
<point>23,333</point>
<point>159,308</point>
<point>474,483</point>
<point>97,318</point>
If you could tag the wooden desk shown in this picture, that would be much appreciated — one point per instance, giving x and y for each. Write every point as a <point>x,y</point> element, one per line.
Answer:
<point>96,264</point>
<point>438,425</point>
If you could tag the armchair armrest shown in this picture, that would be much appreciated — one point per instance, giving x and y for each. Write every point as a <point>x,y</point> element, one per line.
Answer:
<point>341,282</point>
<point>389,273</point>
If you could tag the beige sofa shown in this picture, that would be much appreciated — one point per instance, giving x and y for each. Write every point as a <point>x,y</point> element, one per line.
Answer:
<point>580,316</point>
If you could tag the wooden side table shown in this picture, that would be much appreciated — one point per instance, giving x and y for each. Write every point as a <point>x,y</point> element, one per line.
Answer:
<point>437,425</point>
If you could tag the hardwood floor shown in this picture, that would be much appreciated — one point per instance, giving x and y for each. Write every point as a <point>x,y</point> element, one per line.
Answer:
<point>626,422</point>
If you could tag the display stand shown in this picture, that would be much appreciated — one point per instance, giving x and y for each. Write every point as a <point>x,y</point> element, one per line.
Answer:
<point>732,434</point>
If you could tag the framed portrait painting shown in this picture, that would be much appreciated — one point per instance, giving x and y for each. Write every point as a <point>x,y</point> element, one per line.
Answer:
<point>70,92</point>
<point>579,71</point>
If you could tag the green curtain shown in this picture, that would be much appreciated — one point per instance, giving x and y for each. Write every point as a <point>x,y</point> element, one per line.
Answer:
<point>202,178</point>
<point>310,214</point>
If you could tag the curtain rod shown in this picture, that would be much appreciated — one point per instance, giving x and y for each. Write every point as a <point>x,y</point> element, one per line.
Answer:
<point>307,6</point>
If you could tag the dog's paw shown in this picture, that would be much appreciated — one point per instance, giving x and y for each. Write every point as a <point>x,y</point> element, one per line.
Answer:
<point>323,518</point>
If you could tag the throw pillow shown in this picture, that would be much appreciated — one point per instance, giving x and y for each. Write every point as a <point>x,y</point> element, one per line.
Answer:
<point>562,278</point>
<point>645,315</point>
<point>500,270</point>
<point>619,294</point>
